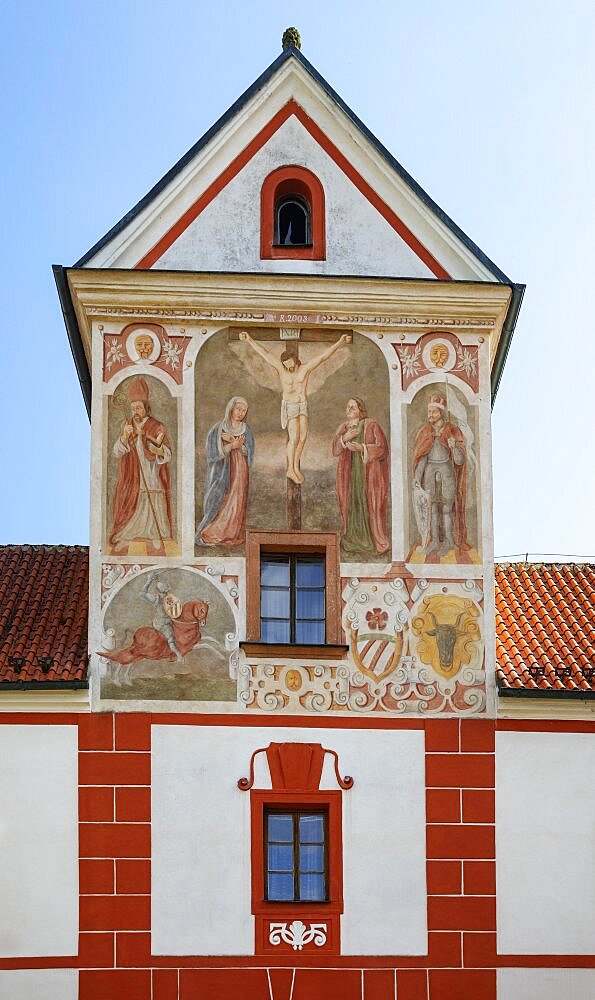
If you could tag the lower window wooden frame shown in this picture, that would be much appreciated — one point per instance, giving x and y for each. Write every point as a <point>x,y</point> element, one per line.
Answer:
<point>324,543</point>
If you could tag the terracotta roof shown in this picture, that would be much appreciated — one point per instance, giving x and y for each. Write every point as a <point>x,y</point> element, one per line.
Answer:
<point>43,613</point>
<point>545,627</point>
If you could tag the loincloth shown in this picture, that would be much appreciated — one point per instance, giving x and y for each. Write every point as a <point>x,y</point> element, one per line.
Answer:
<point>289,411</point>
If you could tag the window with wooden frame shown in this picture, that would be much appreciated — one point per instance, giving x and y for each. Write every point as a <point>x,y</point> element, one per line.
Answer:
<point>292,215</point>
<point>299,894</point>
<point>293,601</point>
<point>296,845</point>
<point>295,855</point>
<point>292,598</point>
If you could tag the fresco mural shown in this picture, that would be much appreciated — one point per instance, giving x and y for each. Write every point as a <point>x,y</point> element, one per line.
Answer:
<point>289,458</point>
<point>442,440</point>
<point>168,634</point>
<point>292,430</point>
<point>145,344</point>
<point>141,469</point>
<point>415,647</point>
<point>363,476</point>
<point>229,454</point>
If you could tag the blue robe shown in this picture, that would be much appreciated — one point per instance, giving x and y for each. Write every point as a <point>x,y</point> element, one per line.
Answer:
<point>217,481</point>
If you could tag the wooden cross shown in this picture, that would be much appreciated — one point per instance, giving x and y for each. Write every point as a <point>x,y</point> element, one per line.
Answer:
<point>290,337</point>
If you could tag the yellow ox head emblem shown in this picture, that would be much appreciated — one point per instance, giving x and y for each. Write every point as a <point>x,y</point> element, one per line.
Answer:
<point>448,633</point>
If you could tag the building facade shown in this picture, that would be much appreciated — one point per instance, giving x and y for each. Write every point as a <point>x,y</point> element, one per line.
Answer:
<point>280,780</point>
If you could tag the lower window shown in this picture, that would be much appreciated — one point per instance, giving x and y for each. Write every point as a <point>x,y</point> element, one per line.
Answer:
<point>296,855</point>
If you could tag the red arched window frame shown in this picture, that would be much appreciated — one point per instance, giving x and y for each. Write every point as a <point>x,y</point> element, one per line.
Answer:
<point>281,183</point>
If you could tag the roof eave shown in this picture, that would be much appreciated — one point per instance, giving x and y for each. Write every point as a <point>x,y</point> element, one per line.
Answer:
<point>6,686</point>
<point>74,334</point>
<point>547,693</point>
<point>505,341</point>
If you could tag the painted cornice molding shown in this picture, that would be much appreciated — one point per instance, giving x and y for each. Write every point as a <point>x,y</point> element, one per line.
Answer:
<point>408,306</point>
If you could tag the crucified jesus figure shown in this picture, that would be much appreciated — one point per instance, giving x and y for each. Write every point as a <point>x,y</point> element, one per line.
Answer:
<point>294,376</point>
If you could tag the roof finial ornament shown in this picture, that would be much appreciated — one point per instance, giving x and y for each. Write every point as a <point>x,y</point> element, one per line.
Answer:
<point>291,36</point>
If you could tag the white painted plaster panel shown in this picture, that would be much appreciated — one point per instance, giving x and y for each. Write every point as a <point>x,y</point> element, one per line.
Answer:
<point>384,842</point>
<point>38,841</point>
<point>546,984</point>
<point>200,870</point>
<point>545,843</point>
<point>226,235</point>
<point>39,984</point>
<point>201,838</point>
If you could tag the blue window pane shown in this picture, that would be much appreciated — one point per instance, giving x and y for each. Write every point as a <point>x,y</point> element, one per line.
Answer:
<point>274,574</point>
<point>311,887</point>
<point>310,632</point>
<point>310,574</point>
<point>281,887</point>
<point>281,858</point>
<point>311,829</point>
<point>280,827</point>
<point>310,604</point>
<point>274,631</point>
<point>311,858</point>
<point>274,603</point>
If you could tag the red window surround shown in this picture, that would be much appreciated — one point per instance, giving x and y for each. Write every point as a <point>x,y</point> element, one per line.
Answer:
<point>296,770</point>
<point>280,183</point>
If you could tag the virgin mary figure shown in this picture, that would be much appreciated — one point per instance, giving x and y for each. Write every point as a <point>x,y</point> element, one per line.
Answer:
<point>230,451</point>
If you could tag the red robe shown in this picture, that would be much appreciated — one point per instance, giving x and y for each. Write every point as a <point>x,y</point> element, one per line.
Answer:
<point>129,479</point>
<point>149,644</point>
<point>377,477</point>
<point>422,447</point>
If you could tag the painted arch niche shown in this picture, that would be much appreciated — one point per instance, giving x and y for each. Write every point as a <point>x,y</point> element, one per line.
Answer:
<point>169,634</point>
<point>141,469</point>
<point>443,474</point>
<point>244,422</point>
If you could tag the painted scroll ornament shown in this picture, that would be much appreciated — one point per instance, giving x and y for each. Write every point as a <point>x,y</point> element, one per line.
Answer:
<point>297,934</point>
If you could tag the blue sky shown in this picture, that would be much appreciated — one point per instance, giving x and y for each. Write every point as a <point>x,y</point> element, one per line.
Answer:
<point>489,106</point>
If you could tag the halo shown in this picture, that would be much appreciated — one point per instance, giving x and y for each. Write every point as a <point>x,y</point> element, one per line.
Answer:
<point>450,360</point>
<point>132,351</point>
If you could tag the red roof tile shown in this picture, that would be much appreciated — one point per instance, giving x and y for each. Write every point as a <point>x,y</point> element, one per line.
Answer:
<point>545,626</point>
<point>43,613</point>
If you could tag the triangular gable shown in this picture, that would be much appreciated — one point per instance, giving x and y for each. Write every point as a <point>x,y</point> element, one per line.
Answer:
<point>408,229</point>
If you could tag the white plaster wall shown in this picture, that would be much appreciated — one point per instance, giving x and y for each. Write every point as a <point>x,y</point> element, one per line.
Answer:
<point>546,984</point>
<point>226,235</point>
<point>200,870</point>
<point>39,984</point>
<point>38,841</point>
<point>545,843</point>
<point>384,841</point>
<point>201,838</point>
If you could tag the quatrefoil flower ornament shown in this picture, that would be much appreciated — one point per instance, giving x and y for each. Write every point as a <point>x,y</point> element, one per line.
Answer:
<point>377,619</point>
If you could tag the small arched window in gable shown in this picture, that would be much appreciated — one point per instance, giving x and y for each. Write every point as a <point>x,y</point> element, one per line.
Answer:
<point>292,215</point>
<point>292,222</point>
